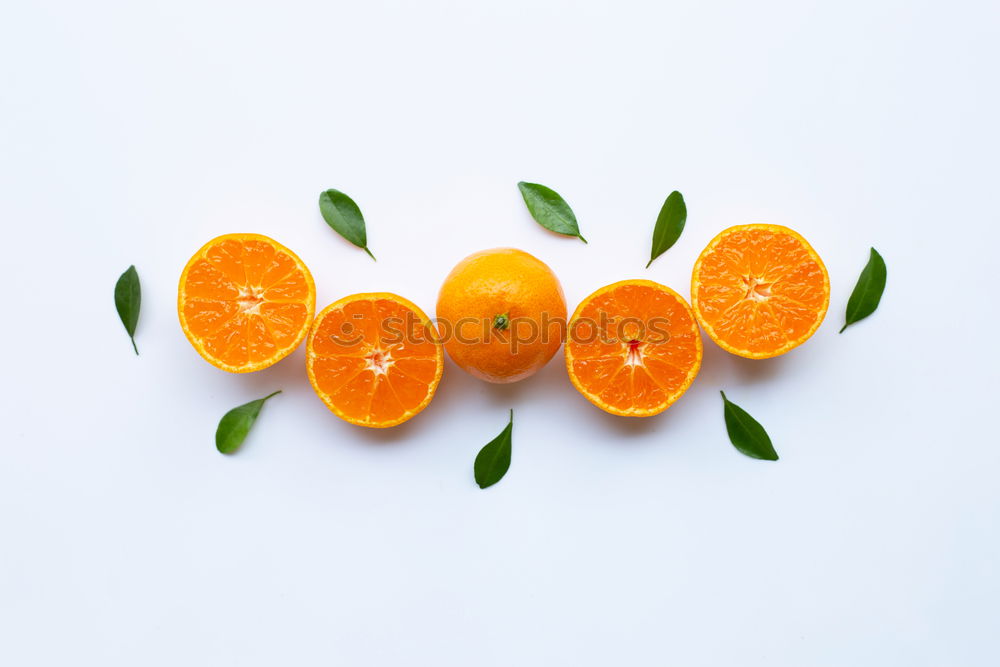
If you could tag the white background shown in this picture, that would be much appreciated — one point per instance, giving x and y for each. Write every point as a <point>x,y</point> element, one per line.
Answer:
<point>135,132</point>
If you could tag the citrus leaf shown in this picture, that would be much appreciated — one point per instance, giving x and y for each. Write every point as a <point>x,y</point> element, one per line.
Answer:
<point>868,292</point>
<point>128,298</point>
<point>746,433</point>
<point>669,225</point>
<point>549,209</point>
<point>344,216</point>
<point>493,460</point>
<point>236,424</point>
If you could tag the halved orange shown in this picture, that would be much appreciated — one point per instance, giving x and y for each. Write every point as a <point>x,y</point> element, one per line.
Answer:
<point>245,302</point>
<point>759,290</point>
<point>374,359</point>
<point>633,348</point>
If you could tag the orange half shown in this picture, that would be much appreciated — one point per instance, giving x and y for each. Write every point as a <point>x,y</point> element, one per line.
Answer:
<point>633,348</point>
<point>759,290</point>
<point>374,359</point>
<point>245,302</point>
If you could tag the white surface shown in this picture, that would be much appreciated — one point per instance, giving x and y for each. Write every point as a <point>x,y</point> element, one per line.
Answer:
<point>134,132</point>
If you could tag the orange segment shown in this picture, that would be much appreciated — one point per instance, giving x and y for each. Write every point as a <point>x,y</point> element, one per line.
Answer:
<point>374,359</point>
<point>245,302</point>
<point>759,290</point>
<point>633,348</point>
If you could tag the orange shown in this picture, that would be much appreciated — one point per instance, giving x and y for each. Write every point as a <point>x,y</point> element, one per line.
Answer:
<point>501,314</point>
<point>633,348</point>
<point>374,359</point>
<point>759,290</point>
<point>245,302</point>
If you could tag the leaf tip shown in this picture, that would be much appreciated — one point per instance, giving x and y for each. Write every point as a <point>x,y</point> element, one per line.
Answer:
<point>220,441</point>
<point>365,248</point>
<point>580,236</point>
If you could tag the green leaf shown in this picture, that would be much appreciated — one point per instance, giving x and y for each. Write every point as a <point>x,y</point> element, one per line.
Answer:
<point>128,298</point>
<point>493,460</point>
<point>344,216</point>
<point>235,424</point>
<point>868,292</point>
<point>669,225</point>
<point>549,209</point>
<point>746,433</point>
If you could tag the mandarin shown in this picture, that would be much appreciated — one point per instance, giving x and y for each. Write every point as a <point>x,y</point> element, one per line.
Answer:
<point>759,290</point>
<point>374,359</point>
<point>633,348</point>
<point>501,314</point>
<point>245,302</point>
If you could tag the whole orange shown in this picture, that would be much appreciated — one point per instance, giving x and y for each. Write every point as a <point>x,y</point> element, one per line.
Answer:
<point>501,314</point>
